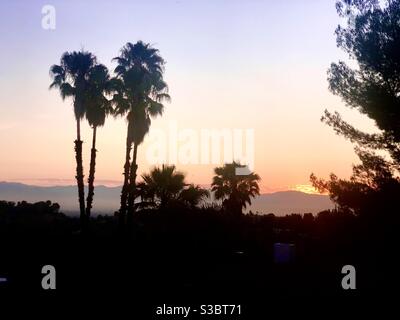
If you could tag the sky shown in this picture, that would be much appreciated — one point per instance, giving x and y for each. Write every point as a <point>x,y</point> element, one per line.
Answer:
<point>235,65</point>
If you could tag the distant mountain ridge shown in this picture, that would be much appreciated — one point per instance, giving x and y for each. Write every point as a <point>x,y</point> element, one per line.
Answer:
<point>286,202</point>
<point>106,199</point>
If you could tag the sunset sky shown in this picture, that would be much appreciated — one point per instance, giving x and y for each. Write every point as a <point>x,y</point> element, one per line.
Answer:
<point>258,65</point>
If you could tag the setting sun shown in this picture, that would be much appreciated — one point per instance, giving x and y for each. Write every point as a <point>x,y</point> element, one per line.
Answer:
<point>306,188</point>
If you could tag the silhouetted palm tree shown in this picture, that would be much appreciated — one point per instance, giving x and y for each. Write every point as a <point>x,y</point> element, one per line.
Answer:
<point>122,107</point>
<point>234,190</point>
<point>146,196</point>
<point>71,78</point>
<point>142,91</point>
<point>98,108</point>
<point>165,186</point>
<point>193,195</point>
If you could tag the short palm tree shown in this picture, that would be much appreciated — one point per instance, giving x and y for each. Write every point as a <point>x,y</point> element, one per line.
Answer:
<point>141,93</point>
<point>71,78</point>
<point>165,186</point>
<point>234,190</point>
<point>98,108</point>
<point>164,183</point>
<point>193,195</point>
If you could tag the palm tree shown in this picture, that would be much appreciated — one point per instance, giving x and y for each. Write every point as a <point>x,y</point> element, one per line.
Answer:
<point>146,196</point>
<point>193,195</point>
<point>165,186</point>
<point>142,91</point>
<point>234,190</point>
<point>122,107</point>
<point>71,78</point>
<point>98,108</point>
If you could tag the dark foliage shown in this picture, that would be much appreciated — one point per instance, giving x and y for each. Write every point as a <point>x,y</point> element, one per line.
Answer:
<point>182,251</point>
<point>371,37</point>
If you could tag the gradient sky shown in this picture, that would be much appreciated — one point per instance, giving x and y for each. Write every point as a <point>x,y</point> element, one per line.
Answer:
<point>230,64</point>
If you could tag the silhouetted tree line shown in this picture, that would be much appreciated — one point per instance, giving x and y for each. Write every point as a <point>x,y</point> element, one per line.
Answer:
<point>19,218</point>
<point>172,245</point>
<point>177,216</point>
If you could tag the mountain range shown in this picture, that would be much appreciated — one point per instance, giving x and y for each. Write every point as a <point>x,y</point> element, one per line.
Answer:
<point>106,199</point>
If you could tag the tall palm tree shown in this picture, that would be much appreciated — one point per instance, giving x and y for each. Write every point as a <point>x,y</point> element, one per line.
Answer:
<point>234,190</point>
<point>142,91</point>
<point>165,186</point>
<point>122,107</point>
<point>98,108</point>
<point>71,78</point>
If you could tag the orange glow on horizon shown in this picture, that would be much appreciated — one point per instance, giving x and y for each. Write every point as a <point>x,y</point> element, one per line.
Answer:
<point>306,188</point>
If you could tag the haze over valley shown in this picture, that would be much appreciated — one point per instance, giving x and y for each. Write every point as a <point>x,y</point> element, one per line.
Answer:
<point>107,199</point>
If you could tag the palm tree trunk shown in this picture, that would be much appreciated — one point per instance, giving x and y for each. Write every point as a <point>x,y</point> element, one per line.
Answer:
<point>132,184</point>
<point>79,175</point>
<point>89,200</point>
<point>125,187</point>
